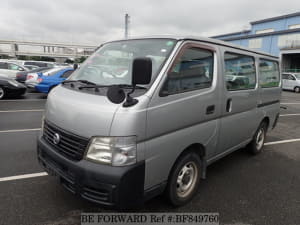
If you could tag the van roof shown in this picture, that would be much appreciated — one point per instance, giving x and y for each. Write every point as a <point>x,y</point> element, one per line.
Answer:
<point>202,39</point>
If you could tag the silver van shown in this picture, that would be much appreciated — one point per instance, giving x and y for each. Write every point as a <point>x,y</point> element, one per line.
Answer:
<point>291,81</point>
<point>142,117</point>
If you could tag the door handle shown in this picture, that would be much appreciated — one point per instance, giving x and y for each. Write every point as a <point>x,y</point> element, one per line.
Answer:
<point>229,105</point>
<point>210,109</point>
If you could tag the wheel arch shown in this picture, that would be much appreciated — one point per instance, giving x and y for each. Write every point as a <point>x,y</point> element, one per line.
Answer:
<point>197,148</point>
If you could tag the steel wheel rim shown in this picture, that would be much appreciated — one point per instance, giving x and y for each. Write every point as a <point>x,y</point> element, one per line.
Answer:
<point>260,139</point>
<point>297,89</point>
<point>186,179</point>
<point>1,92</point>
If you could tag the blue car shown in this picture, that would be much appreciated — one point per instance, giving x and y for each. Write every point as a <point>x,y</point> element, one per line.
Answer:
<point>46,83</point>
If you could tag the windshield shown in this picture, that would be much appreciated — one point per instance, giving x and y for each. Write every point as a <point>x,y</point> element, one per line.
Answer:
<point>112,63</point>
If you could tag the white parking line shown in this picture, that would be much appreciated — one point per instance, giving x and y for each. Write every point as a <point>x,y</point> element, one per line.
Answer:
<point>295,114</point>
<point>23,100</point>
<point>25,176</point>
<point>22,130</point>
<point>290,103</point>
<point>22,110</point>
<point>282,142</point>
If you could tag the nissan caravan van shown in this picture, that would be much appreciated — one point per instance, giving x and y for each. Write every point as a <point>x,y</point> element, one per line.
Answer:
<point>146,116</point>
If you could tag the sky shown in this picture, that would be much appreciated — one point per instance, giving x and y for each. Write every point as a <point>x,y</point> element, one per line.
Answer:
<point>96,21</point>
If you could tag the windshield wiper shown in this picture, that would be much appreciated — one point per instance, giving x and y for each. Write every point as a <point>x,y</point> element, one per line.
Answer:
<point>125,86</point>
<point>81,81</point>
<point>128,86</point>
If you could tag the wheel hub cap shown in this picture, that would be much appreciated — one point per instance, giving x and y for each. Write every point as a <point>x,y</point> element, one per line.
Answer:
<point>186,179</point>
<point>260,139</point>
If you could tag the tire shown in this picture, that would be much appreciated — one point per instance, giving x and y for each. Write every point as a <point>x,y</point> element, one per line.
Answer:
<point>2,93</point>
<point>184,179</point>
<point>256,145</point>
<point>297,89</point>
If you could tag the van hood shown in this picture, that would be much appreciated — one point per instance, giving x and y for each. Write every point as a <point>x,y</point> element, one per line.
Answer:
<point>80,113</point>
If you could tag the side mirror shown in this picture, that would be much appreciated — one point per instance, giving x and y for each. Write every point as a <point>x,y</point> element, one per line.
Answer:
<point>141,70</point>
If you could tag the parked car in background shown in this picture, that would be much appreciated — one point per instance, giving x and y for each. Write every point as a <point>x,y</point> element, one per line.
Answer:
<point>32,78</point>
<point>10,87</point>
<point>39,63</point>
<point>31,67</point>
<point>10,69</point>
<point>291,81</point>
<point>46,83</point>
<point>22,75</point>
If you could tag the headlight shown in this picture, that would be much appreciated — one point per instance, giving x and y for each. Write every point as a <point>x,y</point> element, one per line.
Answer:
<point>13,83</point>
<point>115,151</point>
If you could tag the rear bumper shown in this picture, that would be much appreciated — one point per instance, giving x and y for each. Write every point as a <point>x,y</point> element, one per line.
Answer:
<point>121,187</point>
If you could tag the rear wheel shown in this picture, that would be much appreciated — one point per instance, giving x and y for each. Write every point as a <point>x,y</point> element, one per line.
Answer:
<point>2,92</point>
<point>297,89</point>
<point>258,141</point>
<point>184,179</point>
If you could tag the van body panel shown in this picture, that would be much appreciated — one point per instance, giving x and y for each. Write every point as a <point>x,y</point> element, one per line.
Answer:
<point>162,151</point>
<point>80,113</point>
<point>176,121</point>
<point>132,121</point>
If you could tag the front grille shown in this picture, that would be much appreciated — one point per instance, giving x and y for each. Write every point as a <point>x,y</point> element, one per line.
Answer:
<point>70,145</point>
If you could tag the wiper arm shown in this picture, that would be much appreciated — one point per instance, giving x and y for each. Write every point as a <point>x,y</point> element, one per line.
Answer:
<point>82,81</point>
<point>128,86</point>
<point>93,86</point>
<point>125,86</point>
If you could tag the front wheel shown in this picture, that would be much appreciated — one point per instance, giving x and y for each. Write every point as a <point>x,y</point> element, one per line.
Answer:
<point>184,179</point>
<point>258,141</point>
<point>297,89</point>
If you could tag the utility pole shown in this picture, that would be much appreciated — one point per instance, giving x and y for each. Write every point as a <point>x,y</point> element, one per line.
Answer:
<point>127,17</point>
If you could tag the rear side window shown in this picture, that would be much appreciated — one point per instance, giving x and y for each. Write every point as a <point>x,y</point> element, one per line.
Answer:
<point>240,72</point>
<point>269,73</point>
<point>193,70</point>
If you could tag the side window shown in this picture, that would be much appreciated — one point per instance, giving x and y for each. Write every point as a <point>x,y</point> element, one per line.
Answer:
<point>269,73</point>
<point>193,70</point>
<point>67,74</point>
<point>3,65</point>
<point>284,76</point>
<point>12,66</point>
<point>240,72</point>
<point>291,77</point>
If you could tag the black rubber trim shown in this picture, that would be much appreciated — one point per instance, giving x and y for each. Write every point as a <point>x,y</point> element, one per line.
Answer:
<point>267,103</point>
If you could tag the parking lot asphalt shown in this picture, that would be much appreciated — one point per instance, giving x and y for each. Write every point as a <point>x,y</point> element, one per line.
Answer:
<point>244,189</point>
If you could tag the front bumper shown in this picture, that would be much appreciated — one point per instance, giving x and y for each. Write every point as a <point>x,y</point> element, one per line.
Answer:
<point>15,91</point>
<point>121,187</point>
